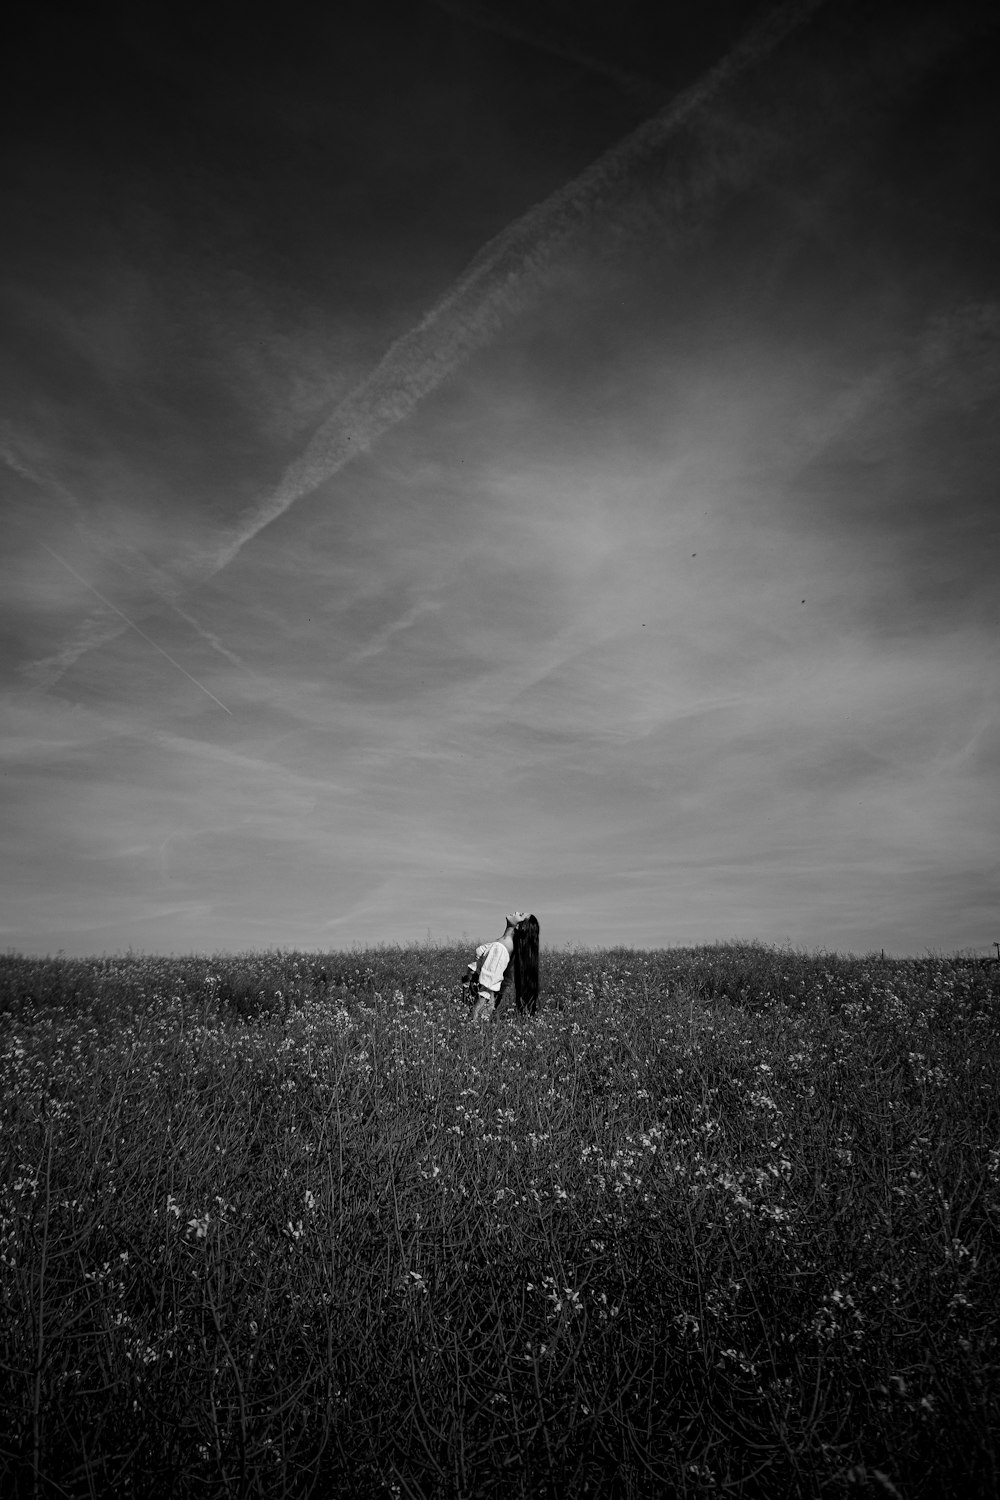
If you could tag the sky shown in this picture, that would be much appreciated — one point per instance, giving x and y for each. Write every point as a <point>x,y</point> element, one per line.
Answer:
<point>465,456</point>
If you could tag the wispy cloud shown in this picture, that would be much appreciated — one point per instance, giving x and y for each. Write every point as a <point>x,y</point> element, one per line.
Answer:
<point>141,912</point>
<point>154,581</point>
<point>131,624</point>
<point>92,633</point>
<point>500,281</point>
<point>507,272</point>
<point>546,38</point>
<point>33,468</point>
<point>953,358</point>
<point>380,640</point>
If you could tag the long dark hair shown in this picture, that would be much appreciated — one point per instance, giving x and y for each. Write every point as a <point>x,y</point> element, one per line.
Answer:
<point>526,966</point>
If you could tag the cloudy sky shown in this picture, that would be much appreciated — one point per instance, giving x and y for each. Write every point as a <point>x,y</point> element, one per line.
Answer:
<point>457,456</point>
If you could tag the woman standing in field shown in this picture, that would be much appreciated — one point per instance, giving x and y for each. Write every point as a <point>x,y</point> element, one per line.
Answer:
<point>526,966</point>
<point>491,969</point>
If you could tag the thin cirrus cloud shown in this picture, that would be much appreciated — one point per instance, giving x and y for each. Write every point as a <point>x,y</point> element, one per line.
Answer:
<point>131,625</point>
<point>498,284</point>
<point>657,604</point>
<point>502,277</point>
<point>509,271</point>
<point>114,551</point>
<point>551,40</point>
<point>493,289</point>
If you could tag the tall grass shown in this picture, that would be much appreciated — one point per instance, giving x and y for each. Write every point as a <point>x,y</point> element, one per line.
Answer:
<point>719,1221</point>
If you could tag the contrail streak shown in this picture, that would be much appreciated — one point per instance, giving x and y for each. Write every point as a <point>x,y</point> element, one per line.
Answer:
<point>15,461</point>
<point>543,41</point>
<point>494,287</point>
<point>159,583</point>
<point>139,631</point>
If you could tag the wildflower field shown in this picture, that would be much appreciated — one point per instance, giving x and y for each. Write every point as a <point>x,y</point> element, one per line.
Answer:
<point>716,1221</point>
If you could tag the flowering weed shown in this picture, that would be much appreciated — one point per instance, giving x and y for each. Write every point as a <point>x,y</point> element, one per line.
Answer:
<point>717,1221</point>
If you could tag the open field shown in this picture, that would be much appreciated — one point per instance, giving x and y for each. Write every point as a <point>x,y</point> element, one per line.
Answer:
<point>719,1221</point>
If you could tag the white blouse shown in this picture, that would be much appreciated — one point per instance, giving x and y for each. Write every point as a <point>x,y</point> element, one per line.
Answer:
<point>494,964</point>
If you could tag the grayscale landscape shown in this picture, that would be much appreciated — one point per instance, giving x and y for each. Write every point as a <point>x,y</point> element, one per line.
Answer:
<point>716,1221</point>
<point>470,457</point>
